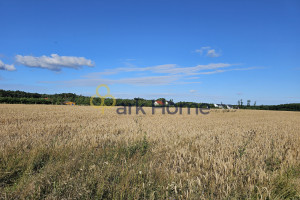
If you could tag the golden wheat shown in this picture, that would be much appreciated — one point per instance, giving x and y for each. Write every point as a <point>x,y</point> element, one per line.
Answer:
<point>67,152</point>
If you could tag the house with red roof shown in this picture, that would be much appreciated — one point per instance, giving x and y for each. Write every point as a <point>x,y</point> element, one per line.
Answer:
<point>160,103</point>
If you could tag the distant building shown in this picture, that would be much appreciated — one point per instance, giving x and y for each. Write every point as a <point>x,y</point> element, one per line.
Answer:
<point>219,105</point>
<point>228,106</point>
<point>69,103</point>
<point>160,103</point>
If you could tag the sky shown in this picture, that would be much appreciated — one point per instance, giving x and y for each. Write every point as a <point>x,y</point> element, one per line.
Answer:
<point>192,50</point>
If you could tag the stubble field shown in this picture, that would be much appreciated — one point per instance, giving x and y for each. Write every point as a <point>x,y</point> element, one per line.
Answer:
<point>76,152</point>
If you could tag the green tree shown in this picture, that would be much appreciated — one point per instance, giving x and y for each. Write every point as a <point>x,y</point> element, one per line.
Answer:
<point>248,102</point>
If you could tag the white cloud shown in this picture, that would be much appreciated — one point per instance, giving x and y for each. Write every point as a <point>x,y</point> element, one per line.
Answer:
<point>130,59</point>
<point>202,49</point>
<point>172,75</point>
<point>164,69</point>
<point>208,51</point>
<point>212,72</point>
<point>227,70</point>
<point>55,62</point>
<point>153,80</point>
<point>6,67</point>
<point>212,53</point>
<point>193,91</point>
<point>140,81</point>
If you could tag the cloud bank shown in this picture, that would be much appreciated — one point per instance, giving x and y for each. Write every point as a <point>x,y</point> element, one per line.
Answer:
<point>54,62</point>
<point>6,67</point>
<point>166,69</point>
<point>168,74</point>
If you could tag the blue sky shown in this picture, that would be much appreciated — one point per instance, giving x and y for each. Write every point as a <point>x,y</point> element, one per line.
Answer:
<point>202,51</point>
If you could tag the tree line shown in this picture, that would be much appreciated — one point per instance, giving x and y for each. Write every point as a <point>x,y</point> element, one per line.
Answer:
<point>283,107</point>
<point>20,97</point>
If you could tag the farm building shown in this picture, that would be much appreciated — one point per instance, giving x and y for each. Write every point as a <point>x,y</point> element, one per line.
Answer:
<point>219,105</point>
<point>159,103</point>
<point>228,106</point>
<point>69,103</point>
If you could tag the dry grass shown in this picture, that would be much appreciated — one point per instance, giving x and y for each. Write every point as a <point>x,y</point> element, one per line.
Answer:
<point>75,152</point>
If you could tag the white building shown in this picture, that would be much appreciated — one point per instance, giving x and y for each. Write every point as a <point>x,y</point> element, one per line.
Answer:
<point>228,106</point>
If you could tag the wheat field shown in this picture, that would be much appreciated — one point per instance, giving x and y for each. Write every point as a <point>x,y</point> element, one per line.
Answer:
<point>76,152</point>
